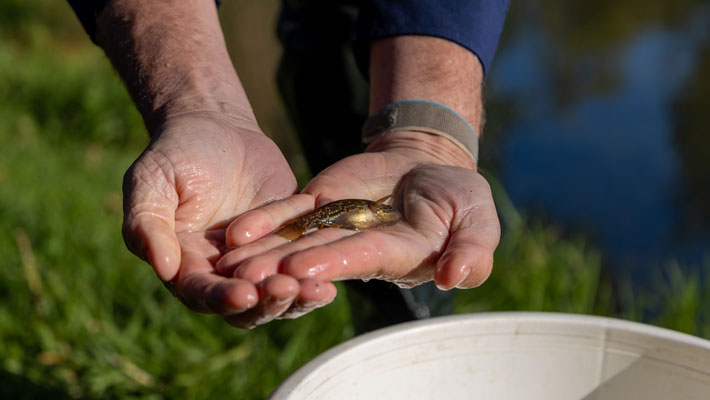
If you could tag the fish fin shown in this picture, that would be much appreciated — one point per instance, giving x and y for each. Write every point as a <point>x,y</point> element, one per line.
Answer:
<point>382,200</point>
<point>373,206</point>
<point>290,232</point>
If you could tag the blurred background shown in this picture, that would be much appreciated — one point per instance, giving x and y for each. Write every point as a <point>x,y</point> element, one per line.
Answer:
<point>595,145</point>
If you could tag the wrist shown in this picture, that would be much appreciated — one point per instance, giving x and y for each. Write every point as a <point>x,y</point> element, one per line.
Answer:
<point>197,123</point>
<point>198,103</point>
<point>426,68</point>
<point>172,58</point>
<point>430,69</point>
<point>422,147</point>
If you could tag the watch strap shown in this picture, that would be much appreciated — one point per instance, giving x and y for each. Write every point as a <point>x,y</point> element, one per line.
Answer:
<point>422,116</point>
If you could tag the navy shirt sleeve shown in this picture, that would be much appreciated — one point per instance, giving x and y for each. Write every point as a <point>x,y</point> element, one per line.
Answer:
<point>473,24</point>
<point>88,10</point>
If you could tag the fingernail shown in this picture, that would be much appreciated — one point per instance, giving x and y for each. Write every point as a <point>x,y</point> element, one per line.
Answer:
<point>277,302</point>
<point>312,305</point>
<point>252,300</point>
<point>282,302</point>
<point>465,272</point>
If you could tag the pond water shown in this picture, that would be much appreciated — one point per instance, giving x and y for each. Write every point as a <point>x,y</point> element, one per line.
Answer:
<point>599,121</point>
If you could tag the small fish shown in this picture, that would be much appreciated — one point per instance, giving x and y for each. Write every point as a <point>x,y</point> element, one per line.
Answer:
<point>352,214</point>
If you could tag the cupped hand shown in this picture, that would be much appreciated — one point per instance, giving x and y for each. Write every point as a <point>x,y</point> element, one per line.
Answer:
<point>199,171</point>
<point>448,233</point>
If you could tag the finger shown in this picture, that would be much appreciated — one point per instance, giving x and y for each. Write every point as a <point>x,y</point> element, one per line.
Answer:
<point>314,294</point>
<point>203,291</point>
<point>153,239</point>
<point>277,294</point>
<point>257,223</point>
<point>463,268</point>
<point>149,223</point>
<point>467,260</point>
<point>261,266</point>
<point>395,254</point>
<point>226,265</point>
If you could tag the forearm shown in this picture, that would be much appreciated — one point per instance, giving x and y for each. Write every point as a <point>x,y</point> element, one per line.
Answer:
<point>426,68</point>
<point>173,58</point>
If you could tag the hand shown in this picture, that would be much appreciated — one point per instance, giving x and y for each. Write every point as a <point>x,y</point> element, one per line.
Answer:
<point>450,227</point>
<point>448,233</point>
<point>199,171</point>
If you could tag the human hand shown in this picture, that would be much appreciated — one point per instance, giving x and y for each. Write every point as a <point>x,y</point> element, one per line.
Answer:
<point>448,233</point>
<point>449,228</point>
<point>199,171</point>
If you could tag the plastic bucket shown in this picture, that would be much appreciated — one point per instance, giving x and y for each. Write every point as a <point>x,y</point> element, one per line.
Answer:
<point>509,356</point>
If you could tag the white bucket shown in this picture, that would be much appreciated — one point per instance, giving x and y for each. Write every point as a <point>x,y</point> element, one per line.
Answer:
<point>509,356</point>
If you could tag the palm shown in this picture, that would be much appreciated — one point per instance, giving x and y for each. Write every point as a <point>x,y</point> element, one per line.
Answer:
<point>367,175</point>
<point>435,201</point>
<point>182,191</point>
<point>218,174</point>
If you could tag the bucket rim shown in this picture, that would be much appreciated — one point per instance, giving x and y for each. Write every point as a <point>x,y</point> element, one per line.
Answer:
<point>512,317</point>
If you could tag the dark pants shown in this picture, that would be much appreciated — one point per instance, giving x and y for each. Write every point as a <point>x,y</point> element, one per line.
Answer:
<point>327,100</point>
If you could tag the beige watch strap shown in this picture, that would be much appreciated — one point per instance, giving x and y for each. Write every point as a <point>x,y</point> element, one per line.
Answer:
<point>422,116</point>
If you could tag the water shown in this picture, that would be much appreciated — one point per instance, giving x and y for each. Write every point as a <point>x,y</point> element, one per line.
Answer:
<point>598,120</point>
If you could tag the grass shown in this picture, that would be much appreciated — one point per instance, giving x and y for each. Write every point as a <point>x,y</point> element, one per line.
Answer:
<point>80,317</point>
<point>537,270</point>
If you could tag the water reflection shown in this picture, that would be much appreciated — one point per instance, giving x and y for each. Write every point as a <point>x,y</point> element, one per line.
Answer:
<point>607,124</point>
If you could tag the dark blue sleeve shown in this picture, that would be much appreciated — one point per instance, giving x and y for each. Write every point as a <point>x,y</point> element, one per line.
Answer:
<point>473,24</point>
<point>88,10</point>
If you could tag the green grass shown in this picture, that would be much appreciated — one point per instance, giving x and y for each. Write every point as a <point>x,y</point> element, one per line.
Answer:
<point>536,270</point>
<point>81,317</point>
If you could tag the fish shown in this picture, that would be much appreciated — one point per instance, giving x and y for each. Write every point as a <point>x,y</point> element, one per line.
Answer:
<point>353,214</point>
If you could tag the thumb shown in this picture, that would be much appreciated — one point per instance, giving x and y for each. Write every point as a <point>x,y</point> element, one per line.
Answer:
<point>467,260</point>
<point>149,224</point>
